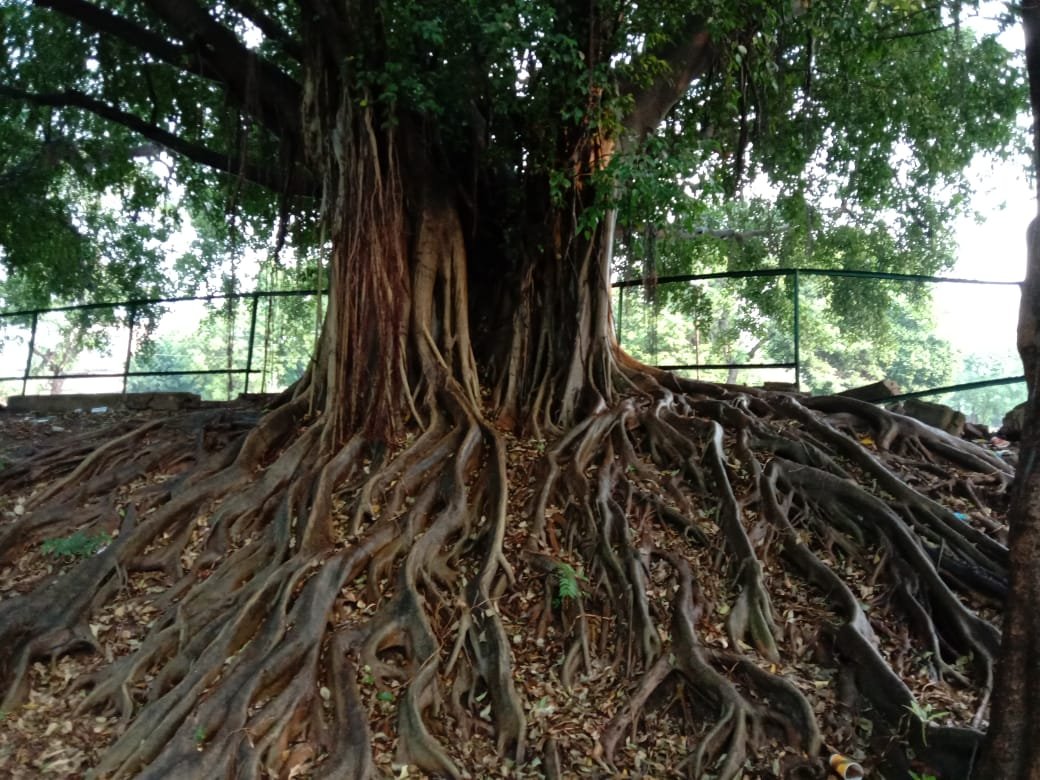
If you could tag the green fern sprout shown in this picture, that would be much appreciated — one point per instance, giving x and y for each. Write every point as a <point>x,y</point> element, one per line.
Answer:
<point>567,582</point>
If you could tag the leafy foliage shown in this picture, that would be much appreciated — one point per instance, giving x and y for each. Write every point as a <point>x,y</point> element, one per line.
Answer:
<point>567,586</point>
<point>751,320</point>
<point>861,116</point>
<point>282,342</point>
<point>925,714</point>
<point>988,405</point>
<point>76,545</point>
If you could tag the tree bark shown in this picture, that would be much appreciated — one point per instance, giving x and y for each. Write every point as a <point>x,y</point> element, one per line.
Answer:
<point>1012,747</point>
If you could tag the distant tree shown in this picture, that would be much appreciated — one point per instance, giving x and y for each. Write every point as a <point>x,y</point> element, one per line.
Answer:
<point>282,344</point>
<point>74,230</point>
<point>853,330</point>
<point>988,405</point>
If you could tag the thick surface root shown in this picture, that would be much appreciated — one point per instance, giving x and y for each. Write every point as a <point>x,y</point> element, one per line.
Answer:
<point>700,581</point>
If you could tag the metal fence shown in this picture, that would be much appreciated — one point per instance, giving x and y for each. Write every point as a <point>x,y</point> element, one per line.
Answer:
<point>250,324</point>
<point>82,342</point>
<point>792,279</point>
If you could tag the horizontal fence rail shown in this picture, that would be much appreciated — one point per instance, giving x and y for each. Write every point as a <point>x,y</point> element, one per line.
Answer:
<point>766,273</point>
<point>980,385</point>
<point>134,307</point>
<point>795,275</point>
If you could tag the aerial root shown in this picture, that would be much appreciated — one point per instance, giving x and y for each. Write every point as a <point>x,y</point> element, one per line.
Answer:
<point>267,603</point>
<point>247,708</point>
<point>633,705</point>
<point>52,620</point>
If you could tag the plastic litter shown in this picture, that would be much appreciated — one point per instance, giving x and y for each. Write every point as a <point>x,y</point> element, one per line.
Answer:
<point>846,768</point>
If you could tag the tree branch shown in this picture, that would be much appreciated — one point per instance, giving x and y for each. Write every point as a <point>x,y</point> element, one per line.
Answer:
<point>295,182</point>
<point>253,79</point>
<point>687,57</point>
<point>262,90</point>
<point>105,21</point>
<point>724,234</point>
<point>916,33</point>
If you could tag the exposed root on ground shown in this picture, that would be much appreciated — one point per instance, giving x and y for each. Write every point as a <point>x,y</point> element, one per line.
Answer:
<point>747,579</point>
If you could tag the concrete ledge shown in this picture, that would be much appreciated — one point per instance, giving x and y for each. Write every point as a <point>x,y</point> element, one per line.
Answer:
<point>877,391</point>
<point>939,416</point>
<point>167,402</point>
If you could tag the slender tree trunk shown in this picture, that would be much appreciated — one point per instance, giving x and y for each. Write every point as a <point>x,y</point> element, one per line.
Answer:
<point>1012,747</point>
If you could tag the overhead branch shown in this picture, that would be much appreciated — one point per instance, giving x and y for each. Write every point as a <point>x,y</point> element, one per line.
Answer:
<point>105,21</point>
<point>688,56</point>
<point>724,234</point>
<point>210,50</point>
<point>230,56</point>
<point>295,181</point>
<point>101,20</point>
<point>917,33</point>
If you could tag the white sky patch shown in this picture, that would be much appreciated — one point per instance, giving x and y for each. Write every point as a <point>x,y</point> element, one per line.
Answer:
<point>250,34</point>
<point>983,318</point>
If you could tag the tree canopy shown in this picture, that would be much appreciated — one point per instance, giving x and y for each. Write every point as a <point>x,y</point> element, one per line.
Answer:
<point>861,120</point>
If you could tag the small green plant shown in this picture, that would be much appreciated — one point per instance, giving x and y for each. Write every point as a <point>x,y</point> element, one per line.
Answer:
<point>77,545</point>
<point>567,582</point>
<point>925,715</point>
<point>925,776</point>
<point>200,735</point>
<point>386,696</point>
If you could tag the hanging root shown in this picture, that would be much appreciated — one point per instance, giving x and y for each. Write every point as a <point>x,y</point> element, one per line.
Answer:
<point>695,575</point>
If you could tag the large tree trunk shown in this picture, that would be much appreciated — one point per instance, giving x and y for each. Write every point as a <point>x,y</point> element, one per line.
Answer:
<point>559,364</point>
<point>397,331</point>
<point>1012,747</point>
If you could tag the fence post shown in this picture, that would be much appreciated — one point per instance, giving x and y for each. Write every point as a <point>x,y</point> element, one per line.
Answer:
<point>797,334</point>
<point>32,347</point>
<point>252,339</point>
<point>129,345</point>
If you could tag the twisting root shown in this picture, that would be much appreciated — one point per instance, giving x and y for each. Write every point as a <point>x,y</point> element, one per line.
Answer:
<point>716,552</point>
